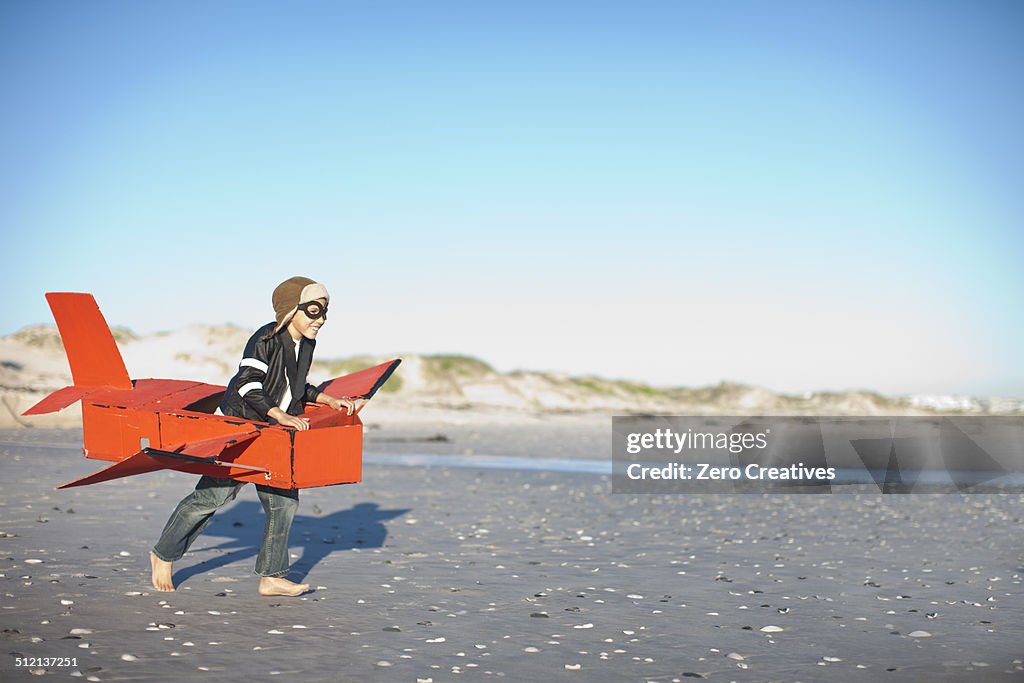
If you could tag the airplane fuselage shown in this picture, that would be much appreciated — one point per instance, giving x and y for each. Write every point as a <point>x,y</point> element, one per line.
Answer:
<point>162,414</point>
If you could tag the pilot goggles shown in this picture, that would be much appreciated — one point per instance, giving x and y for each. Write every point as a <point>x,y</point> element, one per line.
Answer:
<point>313,310</point>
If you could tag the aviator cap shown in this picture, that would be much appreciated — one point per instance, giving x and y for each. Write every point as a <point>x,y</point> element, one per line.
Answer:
<point>292,292</point>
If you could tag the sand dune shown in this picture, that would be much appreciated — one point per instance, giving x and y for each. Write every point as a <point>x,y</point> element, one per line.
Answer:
<point>32,364</point>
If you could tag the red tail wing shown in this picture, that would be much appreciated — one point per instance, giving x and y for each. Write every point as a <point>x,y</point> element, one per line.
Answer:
<point>59,399</point>
<point>91,349</point>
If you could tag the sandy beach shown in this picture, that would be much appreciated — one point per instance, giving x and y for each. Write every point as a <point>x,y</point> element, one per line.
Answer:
<point>445,573</point>
<point>611,277</point>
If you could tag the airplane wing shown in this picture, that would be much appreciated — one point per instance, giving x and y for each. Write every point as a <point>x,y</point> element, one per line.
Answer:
<point>184,457</point>
<point>362,384</point>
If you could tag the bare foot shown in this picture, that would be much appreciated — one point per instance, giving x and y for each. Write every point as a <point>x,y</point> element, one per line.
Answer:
<point>275,585</point>
<point>161,573</point>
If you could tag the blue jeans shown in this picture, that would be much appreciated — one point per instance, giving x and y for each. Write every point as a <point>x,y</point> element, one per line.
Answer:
<point>196,510</point>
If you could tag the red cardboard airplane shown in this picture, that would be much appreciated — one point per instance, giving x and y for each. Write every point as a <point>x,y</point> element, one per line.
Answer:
<point>145,425</point>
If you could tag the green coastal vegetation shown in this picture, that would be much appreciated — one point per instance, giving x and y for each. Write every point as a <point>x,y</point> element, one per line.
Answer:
<point>449,373</point>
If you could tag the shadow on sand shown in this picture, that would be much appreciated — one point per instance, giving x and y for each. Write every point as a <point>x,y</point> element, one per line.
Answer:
<point>317,536</point>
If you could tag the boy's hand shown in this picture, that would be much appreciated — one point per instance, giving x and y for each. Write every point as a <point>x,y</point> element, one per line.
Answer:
<point>346,404</point>
<point>283,418</point>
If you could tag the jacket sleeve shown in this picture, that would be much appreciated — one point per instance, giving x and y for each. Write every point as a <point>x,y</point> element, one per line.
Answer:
<point>252,370</point>
<point>311,393</point>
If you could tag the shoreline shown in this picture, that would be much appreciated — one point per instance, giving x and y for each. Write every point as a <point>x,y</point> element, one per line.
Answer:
<point>438,573</point>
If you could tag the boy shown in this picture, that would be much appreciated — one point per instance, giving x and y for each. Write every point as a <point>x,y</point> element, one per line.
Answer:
<point>270,386</point>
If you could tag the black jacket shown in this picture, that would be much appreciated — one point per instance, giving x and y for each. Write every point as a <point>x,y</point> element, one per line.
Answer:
<point>259,383</point>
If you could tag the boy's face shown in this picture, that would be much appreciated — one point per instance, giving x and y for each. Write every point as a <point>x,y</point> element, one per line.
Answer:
<point>307,326</point>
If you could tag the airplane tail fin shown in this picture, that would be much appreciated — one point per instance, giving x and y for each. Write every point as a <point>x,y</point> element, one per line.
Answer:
<point>90,347</point>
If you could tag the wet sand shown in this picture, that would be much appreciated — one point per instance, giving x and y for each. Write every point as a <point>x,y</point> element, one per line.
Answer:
<point>440,574</point>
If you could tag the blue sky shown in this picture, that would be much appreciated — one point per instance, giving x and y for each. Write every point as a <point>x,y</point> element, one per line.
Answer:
<point>793,194</point>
